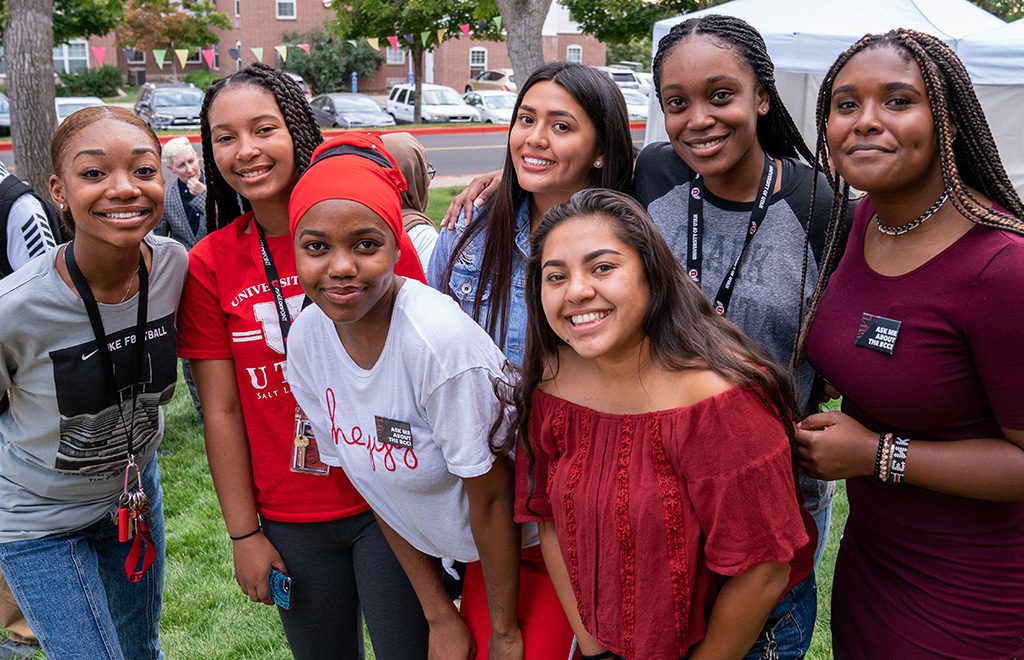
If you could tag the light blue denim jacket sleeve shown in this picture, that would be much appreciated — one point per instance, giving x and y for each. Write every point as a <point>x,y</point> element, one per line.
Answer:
<point>465,279</point>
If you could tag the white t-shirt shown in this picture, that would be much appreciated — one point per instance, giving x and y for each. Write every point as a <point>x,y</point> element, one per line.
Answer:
<point>409,429</point>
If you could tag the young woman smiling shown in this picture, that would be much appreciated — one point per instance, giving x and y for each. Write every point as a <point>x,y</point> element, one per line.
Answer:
<point>87,335</point>
<point>919,328</point>
<point>644,418</point>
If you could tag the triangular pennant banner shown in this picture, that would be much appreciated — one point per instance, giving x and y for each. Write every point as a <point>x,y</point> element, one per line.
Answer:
<point>208,56</point>
<point>374,42</point>
<point>352,42</point>
<point>440,35</point>
<point>258,54</point>
<point>465,29</point>
<point>497,23</point>
<point>409,38</point>
<point>304,47</point>
<point>424,37</point>
<point>158,56</point>
<point>393,40</point>
<point>481,25</point>
<point>182,55</point>
<point>282,52</point>
<point>234,54</point>
<point>97,54</point>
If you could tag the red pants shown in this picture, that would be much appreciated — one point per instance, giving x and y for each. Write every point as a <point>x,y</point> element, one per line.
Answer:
<point>546,631</point>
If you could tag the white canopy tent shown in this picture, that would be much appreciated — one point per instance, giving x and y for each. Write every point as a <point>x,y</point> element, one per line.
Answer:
<point>804,37</point>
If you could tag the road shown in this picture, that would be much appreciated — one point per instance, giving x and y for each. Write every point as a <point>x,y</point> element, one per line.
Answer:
<point>457,156</point>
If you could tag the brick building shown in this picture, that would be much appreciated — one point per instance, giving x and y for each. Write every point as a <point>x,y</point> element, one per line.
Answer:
<point>263,23</point>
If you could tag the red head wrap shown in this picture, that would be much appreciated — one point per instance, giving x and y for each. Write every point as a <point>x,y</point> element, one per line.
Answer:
<point>359,179</point>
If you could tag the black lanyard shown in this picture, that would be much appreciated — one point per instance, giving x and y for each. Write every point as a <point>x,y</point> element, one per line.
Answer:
<point>274,282</point>
<point>139,343</point>
<point>695,252</point>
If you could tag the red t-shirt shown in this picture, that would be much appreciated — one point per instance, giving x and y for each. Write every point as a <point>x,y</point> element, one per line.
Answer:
<point>654,512</point>
<point>227,313</point>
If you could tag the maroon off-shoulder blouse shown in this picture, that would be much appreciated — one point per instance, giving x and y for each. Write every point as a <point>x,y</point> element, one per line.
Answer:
<point>655,511</point>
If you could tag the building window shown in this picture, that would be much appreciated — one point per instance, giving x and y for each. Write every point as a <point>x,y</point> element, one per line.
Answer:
<point>72,56</point>
<point>477,61</point>
<point>238,8</point>
<point>216,58</point>
<point>136,56</point>
<point>574,54</point>
<point>194,57</point>
<point>286,9</point>
<point>395,55</point>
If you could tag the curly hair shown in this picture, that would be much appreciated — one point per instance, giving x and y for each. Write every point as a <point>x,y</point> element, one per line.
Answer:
<point>223,204</point>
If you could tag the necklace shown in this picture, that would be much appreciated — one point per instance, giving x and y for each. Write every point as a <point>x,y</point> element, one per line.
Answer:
<point>128,289</point>
<point>916,222</point>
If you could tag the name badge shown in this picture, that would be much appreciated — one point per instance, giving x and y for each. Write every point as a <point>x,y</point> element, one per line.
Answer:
<point>878,333</point>
<point>393,432</point>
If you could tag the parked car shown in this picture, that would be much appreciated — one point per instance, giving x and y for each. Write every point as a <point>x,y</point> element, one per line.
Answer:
<point>624,78</point>
<point>440,104</point>
<point>67,105</point>
<point>636,105</point>
<point>169,105</point>
<point>5,115</point>
<point>345,110</point>
<point>500,80</point>
<point>494,107</point>
<point>646,82</point>
<point>302,84</point>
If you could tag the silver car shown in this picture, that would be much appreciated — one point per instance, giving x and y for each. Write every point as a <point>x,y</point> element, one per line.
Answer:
<point>346,110</point>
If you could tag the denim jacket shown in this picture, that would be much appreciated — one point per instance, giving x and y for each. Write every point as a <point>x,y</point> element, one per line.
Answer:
<point>465,279</point>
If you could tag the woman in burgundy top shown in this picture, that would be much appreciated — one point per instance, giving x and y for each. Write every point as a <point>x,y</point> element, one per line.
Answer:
<point>645,417</point>
<point>920,330</point>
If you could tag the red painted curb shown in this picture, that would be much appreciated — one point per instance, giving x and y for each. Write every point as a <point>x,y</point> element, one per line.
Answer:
<point>6,146</point>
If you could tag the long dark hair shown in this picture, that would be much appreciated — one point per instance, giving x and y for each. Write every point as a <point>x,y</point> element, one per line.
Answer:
<point>776,131</point>
<point>223,204</point>
<point>606,108</point>
<point>683,330</point>
<point>967,151</point>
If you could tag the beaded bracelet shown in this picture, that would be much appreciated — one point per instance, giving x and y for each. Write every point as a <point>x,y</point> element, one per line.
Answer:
<point>898,459</point>
<point>882,455</point>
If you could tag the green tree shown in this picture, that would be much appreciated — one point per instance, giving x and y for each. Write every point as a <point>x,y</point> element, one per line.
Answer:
<point>637,50</point>
<point>1008,10</point>
<point>331,60</point>
<point>382,18</point>
<point>171,24</point>
<point>621,21</point>
<point>75,19</point>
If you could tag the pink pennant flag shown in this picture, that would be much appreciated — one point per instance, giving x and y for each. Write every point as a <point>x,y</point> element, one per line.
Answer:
<point>465,29</point>
<point>208,56</point>
<point>393,40</point>
<point>97,54</point>
<point>304,47</point>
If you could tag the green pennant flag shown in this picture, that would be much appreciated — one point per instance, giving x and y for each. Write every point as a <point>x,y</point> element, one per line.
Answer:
<point>352,41</point>
<point>425,37</point>
<point>497,23</point>
<point>257,53</point>
<point>158,55</point>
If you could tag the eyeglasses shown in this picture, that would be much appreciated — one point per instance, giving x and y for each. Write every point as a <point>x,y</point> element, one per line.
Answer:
<point>431,172</point>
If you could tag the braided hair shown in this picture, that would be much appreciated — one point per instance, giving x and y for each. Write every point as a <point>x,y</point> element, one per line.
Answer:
<point>223,204</point>
<point>776,131</point>
<point>968,154</point>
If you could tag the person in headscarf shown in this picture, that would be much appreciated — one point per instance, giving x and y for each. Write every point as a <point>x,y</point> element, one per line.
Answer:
<point>412,159</point>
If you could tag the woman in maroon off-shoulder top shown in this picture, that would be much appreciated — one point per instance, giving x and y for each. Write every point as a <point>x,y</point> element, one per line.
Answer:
<point>655,446</point>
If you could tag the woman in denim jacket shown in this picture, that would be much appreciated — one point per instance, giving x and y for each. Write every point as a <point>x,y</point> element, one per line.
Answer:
<point>569,131</point>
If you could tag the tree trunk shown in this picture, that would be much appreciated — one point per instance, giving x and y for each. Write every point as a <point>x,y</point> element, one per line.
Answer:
<point>417,75</point>
<point>523,20</point>
<point>28,49</point>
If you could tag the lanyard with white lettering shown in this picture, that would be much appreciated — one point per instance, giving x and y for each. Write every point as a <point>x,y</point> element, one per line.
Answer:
<point>694,253</point>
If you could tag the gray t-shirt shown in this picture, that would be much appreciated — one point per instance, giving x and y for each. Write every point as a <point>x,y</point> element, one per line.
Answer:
<point>766,297</point>
<point>63,442</point>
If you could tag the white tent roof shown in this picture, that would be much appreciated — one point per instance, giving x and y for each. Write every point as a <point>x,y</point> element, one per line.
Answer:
<point>995,57</point>
<point>806,36</point>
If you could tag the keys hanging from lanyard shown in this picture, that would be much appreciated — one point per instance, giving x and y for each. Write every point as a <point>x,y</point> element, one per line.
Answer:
<point>695,237</point>
<point>133,506</point>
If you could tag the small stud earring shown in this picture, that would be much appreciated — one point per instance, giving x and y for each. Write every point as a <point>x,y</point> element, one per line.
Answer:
<point>598,163</point>
<point>61,206</point>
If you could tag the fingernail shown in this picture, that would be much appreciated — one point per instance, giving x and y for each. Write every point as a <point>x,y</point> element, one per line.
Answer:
<point>477,203</point>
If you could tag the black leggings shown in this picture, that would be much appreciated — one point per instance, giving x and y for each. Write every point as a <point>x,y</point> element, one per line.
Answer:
<point>335,567</point>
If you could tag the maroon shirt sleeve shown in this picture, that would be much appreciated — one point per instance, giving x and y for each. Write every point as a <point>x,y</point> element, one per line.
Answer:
<point>533,505</point>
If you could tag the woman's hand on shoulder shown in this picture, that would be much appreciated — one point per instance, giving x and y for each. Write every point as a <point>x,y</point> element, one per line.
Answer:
<point>254,557</point>
<point>832,445</point>
<point>480,191</point>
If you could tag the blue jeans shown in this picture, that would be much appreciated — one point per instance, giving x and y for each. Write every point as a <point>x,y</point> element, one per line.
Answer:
<point>823,519</point>
<point>787,633</point>
<point>73,591</point>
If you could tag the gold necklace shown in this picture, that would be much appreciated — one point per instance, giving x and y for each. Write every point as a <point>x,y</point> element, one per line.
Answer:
<point>128,289</point>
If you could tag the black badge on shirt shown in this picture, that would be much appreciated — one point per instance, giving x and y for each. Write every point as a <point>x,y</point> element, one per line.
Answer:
<point>393,432</point>
<point>878,333</point>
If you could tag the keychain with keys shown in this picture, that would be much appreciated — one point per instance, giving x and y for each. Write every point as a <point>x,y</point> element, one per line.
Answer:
<point>133,506</point>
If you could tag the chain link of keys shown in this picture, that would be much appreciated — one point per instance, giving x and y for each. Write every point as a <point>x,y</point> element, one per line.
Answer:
<point>131,507</point>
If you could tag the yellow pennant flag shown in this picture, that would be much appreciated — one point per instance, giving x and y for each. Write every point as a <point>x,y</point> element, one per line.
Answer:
<point>374,43</point>
<point>282,51</point>
<point>258,54</point>
<point>182,54</point>
<point>440,35</point>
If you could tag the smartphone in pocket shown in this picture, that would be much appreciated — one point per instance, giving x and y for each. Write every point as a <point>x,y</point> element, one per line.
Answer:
<point>280,589</point>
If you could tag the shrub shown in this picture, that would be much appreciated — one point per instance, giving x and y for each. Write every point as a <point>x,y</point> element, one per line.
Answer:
<point>201,79</point>
<point>103,81</point>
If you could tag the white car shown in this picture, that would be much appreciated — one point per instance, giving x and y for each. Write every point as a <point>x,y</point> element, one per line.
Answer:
<point>494,107</point>
<point>68,105</point>
<point>636,105</point>
<point>439,104</point>
<point>646,82</point>
<point>624,78</point>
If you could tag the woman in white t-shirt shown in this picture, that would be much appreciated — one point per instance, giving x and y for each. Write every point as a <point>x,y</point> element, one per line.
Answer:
<point>398,384</point>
